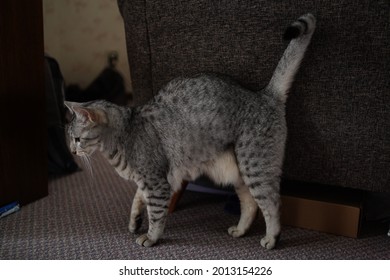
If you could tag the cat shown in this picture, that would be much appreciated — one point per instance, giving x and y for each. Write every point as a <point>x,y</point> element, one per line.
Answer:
<point>207,124</point>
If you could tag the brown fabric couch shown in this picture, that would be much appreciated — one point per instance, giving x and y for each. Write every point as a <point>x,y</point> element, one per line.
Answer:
<point>338,112</point>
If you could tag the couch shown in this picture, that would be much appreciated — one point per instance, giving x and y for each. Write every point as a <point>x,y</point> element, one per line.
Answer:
<point>338,111</point>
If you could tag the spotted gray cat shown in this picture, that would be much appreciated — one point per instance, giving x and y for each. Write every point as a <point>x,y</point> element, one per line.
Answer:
<point>206,124</point>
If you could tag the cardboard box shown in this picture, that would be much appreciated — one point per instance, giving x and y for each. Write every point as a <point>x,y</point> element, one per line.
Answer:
<point>326,209</point>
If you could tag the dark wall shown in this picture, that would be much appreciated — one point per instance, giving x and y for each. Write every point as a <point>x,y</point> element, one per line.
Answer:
<point>23,156</point>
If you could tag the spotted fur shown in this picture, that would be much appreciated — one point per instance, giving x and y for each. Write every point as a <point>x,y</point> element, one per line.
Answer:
<point>205,124</point>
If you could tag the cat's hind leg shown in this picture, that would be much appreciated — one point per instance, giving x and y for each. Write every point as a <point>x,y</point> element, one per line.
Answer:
<point>270,209</point>
<point>248,208</point>
<point>224,170</point>
<point>260,170</point>
<point>268,199</point>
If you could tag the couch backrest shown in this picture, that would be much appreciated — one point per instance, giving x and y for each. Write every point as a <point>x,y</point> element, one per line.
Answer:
<point>338,110</point>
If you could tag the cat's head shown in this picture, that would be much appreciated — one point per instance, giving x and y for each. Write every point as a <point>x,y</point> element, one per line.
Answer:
<point>85,127</point>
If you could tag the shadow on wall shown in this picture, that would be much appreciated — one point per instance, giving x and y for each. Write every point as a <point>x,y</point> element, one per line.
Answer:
<point>108,85</point>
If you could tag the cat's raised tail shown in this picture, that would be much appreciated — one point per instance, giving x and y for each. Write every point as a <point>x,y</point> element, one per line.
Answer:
<point>300,33</point>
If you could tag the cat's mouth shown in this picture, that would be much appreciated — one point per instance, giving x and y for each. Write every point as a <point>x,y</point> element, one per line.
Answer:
<point>81,153</point>
<point>84,152</point>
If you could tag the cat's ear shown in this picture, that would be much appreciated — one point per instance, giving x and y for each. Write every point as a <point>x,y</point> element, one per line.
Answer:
<point>69,113</point>
<point>91,115</point>
<point>69,105</point>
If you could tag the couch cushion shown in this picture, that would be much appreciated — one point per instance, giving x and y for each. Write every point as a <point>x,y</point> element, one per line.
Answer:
<point>337,111</point>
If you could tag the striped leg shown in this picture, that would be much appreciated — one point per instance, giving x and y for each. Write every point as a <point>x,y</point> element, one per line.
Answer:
<point>259,161</point>
<point>157,205</point>
<point>270,209</point>
<point>136,212</point>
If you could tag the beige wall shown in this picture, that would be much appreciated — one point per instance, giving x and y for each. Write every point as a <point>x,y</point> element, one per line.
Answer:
<point>80,34</point>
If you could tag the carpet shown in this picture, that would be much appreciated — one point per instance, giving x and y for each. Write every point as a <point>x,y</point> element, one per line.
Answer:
<point>86,216</point>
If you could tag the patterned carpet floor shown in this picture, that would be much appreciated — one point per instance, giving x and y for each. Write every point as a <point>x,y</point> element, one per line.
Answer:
<point>86,215</point>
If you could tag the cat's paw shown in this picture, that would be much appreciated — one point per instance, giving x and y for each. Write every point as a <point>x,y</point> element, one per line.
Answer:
<point>135,224</point>
<point>144,241</point>
<point>269,242</point>
<point>235,232</point>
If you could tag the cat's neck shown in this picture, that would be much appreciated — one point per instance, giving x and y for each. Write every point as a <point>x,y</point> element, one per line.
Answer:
<point>116,132</point>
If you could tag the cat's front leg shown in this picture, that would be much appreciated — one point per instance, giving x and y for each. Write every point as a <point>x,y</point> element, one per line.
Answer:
<point>136,211</point>
<point>157,200</point>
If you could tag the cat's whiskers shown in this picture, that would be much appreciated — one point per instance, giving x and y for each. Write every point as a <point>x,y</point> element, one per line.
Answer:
<point>86,160</point>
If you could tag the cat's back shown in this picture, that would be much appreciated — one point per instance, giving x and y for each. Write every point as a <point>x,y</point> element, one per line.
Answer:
<point>197,118</point>
<point>206,98</point>
<point>206,106</point>
<point>203,93</point>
